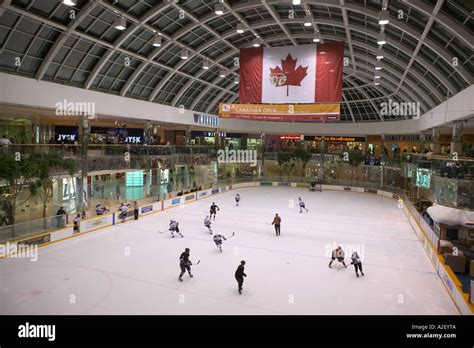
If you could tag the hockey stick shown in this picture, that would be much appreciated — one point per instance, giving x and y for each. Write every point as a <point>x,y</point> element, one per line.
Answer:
<point>196,263</point>
<point>163,231</point>
<point>230,236</point>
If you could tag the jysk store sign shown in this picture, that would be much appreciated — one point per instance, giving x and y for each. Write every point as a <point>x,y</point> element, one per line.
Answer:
<point>206,120</point>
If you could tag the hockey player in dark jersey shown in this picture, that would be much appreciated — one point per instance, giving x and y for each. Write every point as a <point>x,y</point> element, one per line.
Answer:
<point>213,210</point>
<point>240,274</point>
<point>237,199</point>
<point>174,227</point>
<point>207,223</point>
<point>185,264</point>
<point>357,263</point>
<point>218,240</point>
<point>302,205</point>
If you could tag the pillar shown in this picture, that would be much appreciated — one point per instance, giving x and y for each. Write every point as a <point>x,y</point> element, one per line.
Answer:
<point>84,131</point>
<point>457,138</point>
<point>435,148</point>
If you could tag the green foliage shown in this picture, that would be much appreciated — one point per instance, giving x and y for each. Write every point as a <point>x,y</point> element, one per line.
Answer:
<point>47,169</point>
<point>283,158</point>
<point>355,158</point>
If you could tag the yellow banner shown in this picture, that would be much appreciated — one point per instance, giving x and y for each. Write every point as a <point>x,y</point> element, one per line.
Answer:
<point>281,112</point>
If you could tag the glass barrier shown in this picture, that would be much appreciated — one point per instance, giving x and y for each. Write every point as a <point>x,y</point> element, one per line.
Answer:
<point>32,228</point>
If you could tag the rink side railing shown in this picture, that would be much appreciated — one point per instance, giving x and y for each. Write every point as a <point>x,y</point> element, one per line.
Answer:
<point>425,234</point>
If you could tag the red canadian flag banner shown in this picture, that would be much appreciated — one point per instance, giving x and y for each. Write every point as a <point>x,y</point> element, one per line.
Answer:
<point>306,74</point>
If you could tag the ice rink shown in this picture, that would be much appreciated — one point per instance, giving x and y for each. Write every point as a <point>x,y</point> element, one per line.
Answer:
<point>130,268</point>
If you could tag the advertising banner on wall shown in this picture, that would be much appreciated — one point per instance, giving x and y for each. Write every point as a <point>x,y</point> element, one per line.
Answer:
<point>281,112</point>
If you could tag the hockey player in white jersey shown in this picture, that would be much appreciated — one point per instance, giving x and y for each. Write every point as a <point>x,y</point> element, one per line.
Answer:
<point>174,227</point>
<point>207,223</point>
<point>218,240</point>
<point>302,205</point>
<point>237,199</point>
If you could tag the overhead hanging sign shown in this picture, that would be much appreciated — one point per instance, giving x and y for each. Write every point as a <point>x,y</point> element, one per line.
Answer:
<point>280,112</point>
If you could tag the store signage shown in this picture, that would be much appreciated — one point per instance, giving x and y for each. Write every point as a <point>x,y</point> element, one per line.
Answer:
<point>291,137</point>
<point>66,137</point>
<point>406,137</point>
<point>211,134</point>
<point>206,119</point>
<point>133,140</point>
<point>336,139</point>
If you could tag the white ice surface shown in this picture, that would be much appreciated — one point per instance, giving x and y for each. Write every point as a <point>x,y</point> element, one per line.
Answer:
<point>286,275</point>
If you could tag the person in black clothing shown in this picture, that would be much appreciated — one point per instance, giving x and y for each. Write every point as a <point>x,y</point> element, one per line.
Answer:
<point>357,263</point>
<point>240,274</point>
<point>135,210</point>
<point>213,210</point>
<point>185,264</point>
<point>61,217</point>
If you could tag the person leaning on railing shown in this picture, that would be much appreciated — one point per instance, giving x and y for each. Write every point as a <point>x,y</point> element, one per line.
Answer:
<point>61,217</point>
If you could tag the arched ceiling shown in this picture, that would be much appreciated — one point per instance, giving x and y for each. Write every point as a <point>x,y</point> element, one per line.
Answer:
<point>428,55</point>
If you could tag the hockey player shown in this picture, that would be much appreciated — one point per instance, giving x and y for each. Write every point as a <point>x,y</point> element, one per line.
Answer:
<point>213,210</point>
<point>100,209</point>
<point>185,264</point>
<point>239,275</point>
<point>302,205</point>
<point>338,254</point>
<point>357,263</point>
<point>174,227</point>
<point>277,222</point>
<point>237,199</point>
<point>207,223</point>
<point>218,240</point>
<point>124,211</point>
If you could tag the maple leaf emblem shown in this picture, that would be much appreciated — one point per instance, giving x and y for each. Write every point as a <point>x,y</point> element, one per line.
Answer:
<point>287,75</point>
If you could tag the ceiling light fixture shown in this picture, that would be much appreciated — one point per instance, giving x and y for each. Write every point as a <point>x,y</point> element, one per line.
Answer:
<point>240,28</point>
<point>296,2</point>
<point>307,21</point>
<point>256,43</point>
<point>157,41</point>
<point>383,17</point>
<point>317,38</point>
<point>219,9</point>
<point>378,67</point>
<point>205,65</point>
<point>236,80</point>
<point>184,54</point>
<point>222,73</point>
<point>381,39</point>
<point>120,23</point>
<point>379,54</point>
<point>376,83</point>
<point>377,76</point>
<point>69,2</point>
